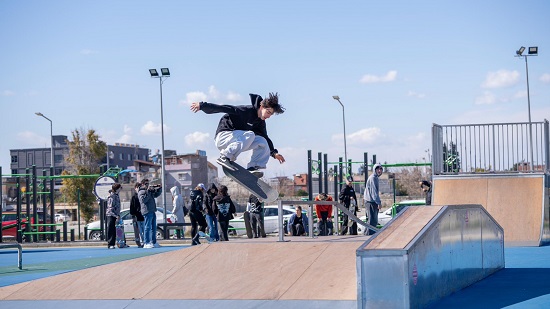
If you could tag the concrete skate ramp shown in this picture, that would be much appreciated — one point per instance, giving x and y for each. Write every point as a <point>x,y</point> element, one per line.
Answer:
<point>261,269</point>
<point>518,202</point>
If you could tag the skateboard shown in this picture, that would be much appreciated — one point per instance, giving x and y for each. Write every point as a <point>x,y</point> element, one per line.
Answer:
<point>136,231</point>
<point>204,235</point>
<point>120,237</point>
<point>252,183</point>
<point>246,217</point>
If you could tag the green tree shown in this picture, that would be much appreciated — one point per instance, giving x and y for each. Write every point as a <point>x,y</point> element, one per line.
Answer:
<point>85,153</point>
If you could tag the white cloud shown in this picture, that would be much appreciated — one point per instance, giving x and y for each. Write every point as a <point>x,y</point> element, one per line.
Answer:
<point>500,79</point>
<point>212,95</point>
<point>197,139</point>
<point>151,128</point>
<point>233,97</point>
<point>87,52</point>
<point>33,139</point>
<point>545,78</point>
<point>416,95</point>
<point>369,79</point>
<point>367,136</point>
<point>486,98</point>
<point>8,93</point>
<point>126,138</point>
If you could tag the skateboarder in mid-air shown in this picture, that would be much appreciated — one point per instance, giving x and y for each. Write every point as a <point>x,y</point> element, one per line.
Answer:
<point>243,128</point>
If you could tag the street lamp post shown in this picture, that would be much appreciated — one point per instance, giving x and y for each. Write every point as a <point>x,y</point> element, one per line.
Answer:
<point>51,139</point>
<point>165,74</point>
<point>337,98</point>
<point>533,51</point>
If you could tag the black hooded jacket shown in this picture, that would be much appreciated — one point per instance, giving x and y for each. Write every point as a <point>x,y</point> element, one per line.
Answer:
<point>241,117</point>
<point>209,200</point>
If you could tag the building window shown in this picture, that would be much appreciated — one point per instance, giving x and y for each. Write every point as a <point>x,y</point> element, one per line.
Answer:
<point>14,171</point>
<point>57,158</point>
<point>13,159</point>
<point>129,157</point>
<point>121,156</point>
<point>30,159</point>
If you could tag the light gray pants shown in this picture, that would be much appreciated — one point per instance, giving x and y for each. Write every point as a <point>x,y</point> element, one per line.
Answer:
<point>232,143</point>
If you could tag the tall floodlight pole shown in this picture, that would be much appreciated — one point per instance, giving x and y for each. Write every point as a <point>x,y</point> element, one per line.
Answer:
<point>337,98</point>
<point>165,74</point>
<point>533,51</point>
<point>51,139</point>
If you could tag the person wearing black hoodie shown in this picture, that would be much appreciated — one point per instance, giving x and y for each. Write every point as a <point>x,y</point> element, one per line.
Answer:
<point>211,216</point>
<point>243,128</point>
<point>225,208</point>
<point>137,217</point>
<point>195,213</point>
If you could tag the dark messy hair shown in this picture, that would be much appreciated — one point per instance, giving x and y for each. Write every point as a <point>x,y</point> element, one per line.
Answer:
<point>223,190</point>
<point>272,101</point>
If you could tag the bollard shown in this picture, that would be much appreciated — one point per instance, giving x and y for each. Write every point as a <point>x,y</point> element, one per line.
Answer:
<point>72,234</point>
<point>85,233</point>
<point>58,235</point>
<point>64,230</point>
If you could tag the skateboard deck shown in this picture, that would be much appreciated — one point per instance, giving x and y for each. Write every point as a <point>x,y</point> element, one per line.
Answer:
<point>252,183</point>
<point>247,225</point>
<point>120,237</point>
<point>136,231</point>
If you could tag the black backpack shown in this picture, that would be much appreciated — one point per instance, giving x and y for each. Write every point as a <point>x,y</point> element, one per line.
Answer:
<point>196,201</point>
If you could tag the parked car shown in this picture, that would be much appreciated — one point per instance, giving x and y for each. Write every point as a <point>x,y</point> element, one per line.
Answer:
<point>271,225</point>
<point>60,217</point>
<point>94,231</point>
<point>385,216</point>
<point>9,222</point>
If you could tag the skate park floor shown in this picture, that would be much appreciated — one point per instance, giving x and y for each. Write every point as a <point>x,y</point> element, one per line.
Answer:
<point>291,283</point>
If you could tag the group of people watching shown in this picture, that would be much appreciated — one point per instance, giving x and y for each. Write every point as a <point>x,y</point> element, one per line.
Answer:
<point>143,209</point>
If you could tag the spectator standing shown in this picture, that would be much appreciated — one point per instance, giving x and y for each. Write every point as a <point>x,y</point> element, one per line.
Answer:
<point>178,207</point>
<point>298,223</point>
<point>211,217</point>
<point>324,215</point>
<point>225,209</point>
<point>255,210</point>
<point>426,186</point>
<point>372,197</point>
<point>347,195</point>
<point>195,213</point>
<point>147,195</point>
<point>135,211</point>
<point>113,214</point>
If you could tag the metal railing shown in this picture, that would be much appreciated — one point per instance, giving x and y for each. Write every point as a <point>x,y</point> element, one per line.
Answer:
<point>490,148</point>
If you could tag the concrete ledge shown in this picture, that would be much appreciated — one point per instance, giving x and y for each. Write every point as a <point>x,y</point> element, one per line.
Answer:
<point>427,253</point>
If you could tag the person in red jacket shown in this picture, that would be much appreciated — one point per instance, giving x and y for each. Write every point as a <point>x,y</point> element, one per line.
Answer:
<point>324,215</point>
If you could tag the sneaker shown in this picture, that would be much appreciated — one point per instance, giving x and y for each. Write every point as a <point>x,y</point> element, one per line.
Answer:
<point>156,245</point>
<point>148,246</point>
<point>225,162</point>
<point>255,171</point>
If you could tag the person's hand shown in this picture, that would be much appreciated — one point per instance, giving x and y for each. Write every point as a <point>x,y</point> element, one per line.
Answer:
<point>195,107</point>
<point>379,206</point>
<point>279,157</point>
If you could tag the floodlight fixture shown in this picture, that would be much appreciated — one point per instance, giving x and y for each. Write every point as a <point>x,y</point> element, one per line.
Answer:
<point>533,50</point>
<point>520,51</point>
<point>153,72</point>
<point>165,71</point>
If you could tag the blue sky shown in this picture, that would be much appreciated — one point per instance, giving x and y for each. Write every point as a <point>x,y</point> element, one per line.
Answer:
<point>398,67</point>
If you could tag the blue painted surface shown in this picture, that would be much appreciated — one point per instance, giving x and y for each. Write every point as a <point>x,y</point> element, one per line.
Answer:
<point>523,283</point>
